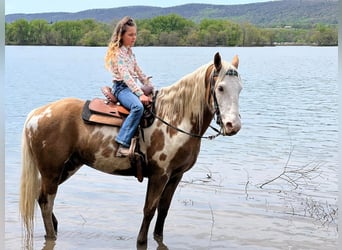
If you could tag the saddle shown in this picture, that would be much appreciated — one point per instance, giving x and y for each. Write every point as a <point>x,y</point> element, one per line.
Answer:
<point>109,111</point>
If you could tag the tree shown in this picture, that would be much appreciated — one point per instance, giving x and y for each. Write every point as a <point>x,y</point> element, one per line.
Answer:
<point>9,33</point>
<point>38,32</point>
<point>68,32</point>
<point>219,32</point>
<point>169,23</point>
<point>250,35</point>
<point>169,30</point>
<point>145,38</point>
<point>193,39</point>
<point>93,33</point>
<point>21,32</point>
<point>324,35</point>
<point>233,32</point>
<point>94,38</point>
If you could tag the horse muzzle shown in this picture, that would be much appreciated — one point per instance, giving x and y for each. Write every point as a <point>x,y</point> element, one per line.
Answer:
<point>231,127</point>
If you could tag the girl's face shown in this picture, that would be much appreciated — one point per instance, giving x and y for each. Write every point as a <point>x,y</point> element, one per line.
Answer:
<point>128,39</point>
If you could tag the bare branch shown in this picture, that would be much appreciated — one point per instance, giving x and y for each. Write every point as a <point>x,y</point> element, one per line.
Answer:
<point>294,176</point>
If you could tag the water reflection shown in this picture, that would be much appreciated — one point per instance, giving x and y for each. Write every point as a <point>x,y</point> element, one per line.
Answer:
<point>51,244</point>
<point>28,244</point>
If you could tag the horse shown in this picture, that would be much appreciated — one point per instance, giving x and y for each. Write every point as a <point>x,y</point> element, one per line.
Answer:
<point>56,142</point>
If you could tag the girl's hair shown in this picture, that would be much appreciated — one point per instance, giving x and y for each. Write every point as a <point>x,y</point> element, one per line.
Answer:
<point>116,39</point>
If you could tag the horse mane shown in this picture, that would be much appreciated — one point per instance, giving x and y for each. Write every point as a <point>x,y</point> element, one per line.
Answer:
<point>185,97</point>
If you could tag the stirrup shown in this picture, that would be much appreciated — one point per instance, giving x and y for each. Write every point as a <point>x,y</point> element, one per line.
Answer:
<point>119,153</point>
<point>132,147</point>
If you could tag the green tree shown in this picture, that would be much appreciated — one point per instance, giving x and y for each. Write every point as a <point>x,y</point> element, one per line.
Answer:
<point>145,38</point>
<point>169,30</point>
<point>169,23</point>
<point>68,32</point>
<point>21,32</point>
<point>193,38</point>
<point>94,34</point>
<point>250,35</point>
<point>219,32</point>
<point>9,33</point>
<point>95,37</point>
<point>38,32</point>
<point>233,32</point>
<point>325,36</point>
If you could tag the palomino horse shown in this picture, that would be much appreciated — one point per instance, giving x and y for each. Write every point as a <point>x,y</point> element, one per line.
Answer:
<point>56,142</point>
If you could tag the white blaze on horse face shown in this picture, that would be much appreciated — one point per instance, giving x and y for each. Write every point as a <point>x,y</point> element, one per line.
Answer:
<point>32,122</point>
<point>227,94</point>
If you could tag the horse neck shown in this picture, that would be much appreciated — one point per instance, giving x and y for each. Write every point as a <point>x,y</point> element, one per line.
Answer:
<point>187,99</point>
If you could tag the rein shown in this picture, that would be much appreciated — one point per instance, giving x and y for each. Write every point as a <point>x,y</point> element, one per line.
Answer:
<point>216,110</point>
<point>209,137</point>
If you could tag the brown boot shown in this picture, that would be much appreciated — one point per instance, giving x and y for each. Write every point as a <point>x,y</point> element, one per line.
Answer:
<point>122,151</point>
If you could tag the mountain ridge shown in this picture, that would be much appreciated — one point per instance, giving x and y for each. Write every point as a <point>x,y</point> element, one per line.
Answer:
<point>266,14</point>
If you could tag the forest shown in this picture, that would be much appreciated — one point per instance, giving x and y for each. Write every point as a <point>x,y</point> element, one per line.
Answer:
<point>168,30</point>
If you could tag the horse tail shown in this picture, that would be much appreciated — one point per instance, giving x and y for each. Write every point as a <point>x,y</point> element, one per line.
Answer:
<point>29,185</point>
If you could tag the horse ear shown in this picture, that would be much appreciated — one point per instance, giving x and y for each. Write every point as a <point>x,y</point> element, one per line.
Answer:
<point>235,61</point>
<point>217,62</point>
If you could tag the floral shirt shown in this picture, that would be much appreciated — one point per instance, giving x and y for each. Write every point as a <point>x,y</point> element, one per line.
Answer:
<point>126,69</point>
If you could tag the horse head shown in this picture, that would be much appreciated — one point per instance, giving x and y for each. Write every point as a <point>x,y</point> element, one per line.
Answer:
<point>226,90</point>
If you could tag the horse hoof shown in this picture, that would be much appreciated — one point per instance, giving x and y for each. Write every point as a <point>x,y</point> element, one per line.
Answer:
<point>141,244</point>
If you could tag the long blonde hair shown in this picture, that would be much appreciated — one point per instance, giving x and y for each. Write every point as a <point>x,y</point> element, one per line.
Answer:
<point>116,39</point>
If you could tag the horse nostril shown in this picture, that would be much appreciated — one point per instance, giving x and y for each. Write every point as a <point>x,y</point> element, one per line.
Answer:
<point>229,125</point>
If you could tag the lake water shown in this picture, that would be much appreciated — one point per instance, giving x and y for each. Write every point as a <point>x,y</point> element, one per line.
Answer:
<point>289,124</point>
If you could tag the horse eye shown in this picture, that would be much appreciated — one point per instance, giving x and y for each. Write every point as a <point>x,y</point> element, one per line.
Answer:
<point>220,88</point>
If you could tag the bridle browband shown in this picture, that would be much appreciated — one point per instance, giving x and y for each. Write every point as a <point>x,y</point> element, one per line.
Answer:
<point>214,74</point>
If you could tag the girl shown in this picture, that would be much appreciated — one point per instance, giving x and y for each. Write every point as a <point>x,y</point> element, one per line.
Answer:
<point>121,61</point>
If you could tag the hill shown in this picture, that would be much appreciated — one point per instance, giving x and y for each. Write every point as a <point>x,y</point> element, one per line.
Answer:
<point>266,14</point>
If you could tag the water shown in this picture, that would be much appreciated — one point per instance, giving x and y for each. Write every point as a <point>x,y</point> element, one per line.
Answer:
<point>289,123</point>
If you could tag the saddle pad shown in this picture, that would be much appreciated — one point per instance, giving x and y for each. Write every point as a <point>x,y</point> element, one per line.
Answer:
<point>97,118</point>
<point>102,106</point>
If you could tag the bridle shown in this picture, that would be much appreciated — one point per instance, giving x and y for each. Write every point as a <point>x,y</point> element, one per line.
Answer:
<point>212,81</point>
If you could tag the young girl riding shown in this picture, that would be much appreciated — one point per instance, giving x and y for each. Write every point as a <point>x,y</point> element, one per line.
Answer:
<point>121,61</point>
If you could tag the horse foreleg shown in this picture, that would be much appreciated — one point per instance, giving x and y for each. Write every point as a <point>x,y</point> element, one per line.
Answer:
<point>55,223</point>
<point>155,187</point>
<point>164,205</point>
<point>46,201</point>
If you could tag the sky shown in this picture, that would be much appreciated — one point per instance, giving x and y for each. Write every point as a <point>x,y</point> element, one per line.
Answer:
<point>40,6</point>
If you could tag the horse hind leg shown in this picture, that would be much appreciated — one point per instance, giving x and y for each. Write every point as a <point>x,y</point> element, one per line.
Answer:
<point>46,201</point>
<point>48,193</point>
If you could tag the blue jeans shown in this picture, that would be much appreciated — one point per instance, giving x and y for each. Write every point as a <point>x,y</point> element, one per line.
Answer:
<point>132,102</point>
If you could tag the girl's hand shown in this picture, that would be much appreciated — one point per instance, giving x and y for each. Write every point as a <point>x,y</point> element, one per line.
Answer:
<point>145,99</point>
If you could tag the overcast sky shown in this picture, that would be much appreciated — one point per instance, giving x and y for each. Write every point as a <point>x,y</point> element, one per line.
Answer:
<point>40,6</point>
